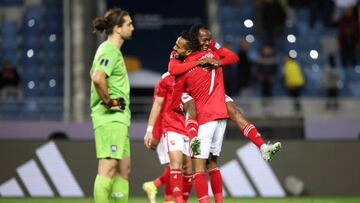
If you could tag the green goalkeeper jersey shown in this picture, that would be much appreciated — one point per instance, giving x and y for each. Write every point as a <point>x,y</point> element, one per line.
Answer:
<point>109,59</point>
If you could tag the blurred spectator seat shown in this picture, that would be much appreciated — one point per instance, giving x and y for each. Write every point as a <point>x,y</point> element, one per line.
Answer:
<point>32,19</point>
<point>8,28</point>
<point>10,109</point>
<point>31,109</point>
<point>53,82</point>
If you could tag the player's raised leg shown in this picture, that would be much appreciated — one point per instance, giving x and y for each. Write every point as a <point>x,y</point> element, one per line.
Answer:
<point>250,131</point>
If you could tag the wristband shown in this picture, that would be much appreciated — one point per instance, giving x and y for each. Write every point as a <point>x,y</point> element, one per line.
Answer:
<point>149,129</point>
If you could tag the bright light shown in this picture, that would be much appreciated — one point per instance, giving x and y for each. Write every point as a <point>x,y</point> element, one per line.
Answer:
<point>248,23</point>
<point>30,53</point>
<point>52,83</point>
<point>291,38</point>
<point>31,84</point>
<point>314,54</point>
<point>52,38</point>
<point>250,38</point>
<point>31,22</point>
<point>292,53</point>
<point>315,67</point>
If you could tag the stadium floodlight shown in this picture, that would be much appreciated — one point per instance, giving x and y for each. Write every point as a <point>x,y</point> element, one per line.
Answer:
<point>314,54</point>
<point>248,23</point>
<point>30,53</point>
<point>292,53</point>
<point>291,38</point>
<point>250,38</point>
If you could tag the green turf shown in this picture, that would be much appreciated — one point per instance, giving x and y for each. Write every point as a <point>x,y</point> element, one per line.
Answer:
<point>227,200</point>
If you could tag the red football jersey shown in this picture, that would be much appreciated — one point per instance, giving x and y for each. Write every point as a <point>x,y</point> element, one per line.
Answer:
<point>177,67</point>
<point>205,86</point>
<point>161,88</point>
<point>170,120</point>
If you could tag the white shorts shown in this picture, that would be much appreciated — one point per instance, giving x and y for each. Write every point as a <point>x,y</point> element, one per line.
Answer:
<point>177,142</point>
<point>211,135</point>
<point>162,152</point>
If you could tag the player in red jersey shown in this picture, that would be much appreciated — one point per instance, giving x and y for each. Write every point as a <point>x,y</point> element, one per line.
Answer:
<point>204,36</point>
<point>153,138</point>
<point>228,57</point>
<point>176,139</point>
<point>206,86</point>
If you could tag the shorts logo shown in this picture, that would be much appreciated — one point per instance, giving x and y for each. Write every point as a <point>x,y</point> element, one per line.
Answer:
<point>113,148</point>
<point>172,142</point>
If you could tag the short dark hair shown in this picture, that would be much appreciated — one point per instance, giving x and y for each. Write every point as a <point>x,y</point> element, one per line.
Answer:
<point>192,43</point>
<point>111,18</point>
<point>194,29</point>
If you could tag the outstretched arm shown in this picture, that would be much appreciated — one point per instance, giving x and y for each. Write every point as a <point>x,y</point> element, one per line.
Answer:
<point>154,114</point>
<point>177,67</point>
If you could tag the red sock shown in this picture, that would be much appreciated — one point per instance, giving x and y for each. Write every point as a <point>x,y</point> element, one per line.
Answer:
<point>192,128</point>
<point>252,134</point>
<point>176,182</point>
<point>168,193</point>
<point>216,184</point>
<point>201,187</point>
<point>161,179</point>
<point>187,185</point>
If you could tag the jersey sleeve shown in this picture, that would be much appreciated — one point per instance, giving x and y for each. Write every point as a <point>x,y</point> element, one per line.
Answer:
<point>160,89</point>
<point>227,56</point>
<point>106,62</point>
<point>177,67</point>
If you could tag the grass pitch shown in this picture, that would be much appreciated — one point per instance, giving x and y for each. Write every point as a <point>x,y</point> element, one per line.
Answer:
<point>193,200</point>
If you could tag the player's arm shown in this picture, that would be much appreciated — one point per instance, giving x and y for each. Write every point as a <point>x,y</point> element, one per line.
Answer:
<point>228,57</point>
<point>191,114</point>
<point>104,67</point>
<point>154,114</point>
<point>99,79</point>
<point>177,67</point>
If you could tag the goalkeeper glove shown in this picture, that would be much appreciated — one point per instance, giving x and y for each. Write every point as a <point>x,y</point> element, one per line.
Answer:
<point>116,104</point>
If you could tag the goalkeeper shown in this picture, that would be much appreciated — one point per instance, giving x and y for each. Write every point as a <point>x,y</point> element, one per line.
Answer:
<point>110,112</point>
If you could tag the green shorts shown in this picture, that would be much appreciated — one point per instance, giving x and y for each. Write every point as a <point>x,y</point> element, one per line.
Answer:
<point>112,141</point>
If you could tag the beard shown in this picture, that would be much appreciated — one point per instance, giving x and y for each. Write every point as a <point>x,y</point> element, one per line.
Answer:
<point>126,37</point>
<point>180,56</point>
